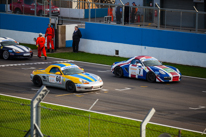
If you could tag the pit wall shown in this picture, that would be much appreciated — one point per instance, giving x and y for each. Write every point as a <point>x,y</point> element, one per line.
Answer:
<point>168,46</point>
<point>22,28</point>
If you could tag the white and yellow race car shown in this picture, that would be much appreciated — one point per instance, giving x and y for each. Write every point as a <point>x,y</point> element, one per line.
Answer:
<point>67,76</point>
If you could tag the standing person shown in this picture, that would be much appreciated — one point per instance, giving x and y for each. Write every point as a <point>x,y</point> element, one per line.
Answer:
<point>126,13</point>
<point>50,38</point>
<point>76,38</point>
<point>118,14</point>
<point>40,44</point>
<point>110,13</point>
<point>134,12</point>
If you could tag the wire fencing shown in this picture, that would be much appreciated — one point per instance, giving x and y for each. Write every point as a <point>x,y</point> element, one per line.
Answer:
<point>63,122</point>
<point>70,11</point>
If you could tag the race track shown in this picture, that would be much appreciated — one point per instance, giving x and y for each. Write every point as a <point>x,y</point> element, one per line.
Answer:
<point>181,104</point>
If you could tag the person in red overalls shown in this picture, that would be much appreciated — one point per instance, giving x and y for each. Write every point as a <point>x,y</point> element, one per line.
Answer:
<point>50,37</point>
<point>40,44</point>
<point>110,13</point>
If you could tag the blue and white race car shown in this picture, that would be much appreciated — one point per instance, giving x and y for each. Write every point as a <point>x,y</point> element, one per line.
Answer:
<point>147,68</point>
<point>9,48</point>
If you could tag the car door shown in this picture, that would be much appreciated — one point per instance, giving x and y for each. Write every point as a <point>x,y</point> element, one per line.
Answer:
<point>28,6</point>
<point>135,69</point>
<point>54,79</point>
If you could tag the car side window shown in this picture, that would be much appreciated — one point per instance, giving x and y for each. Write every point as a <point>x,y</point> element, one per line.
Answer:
<point>135,61</point>
<point>54,70</point>
<point>28,2</point>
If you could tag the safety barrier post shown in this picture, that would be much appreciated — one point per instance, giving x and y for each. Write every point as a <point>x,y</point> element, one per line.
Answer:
<point>145,121</point>
<point>36,112</point>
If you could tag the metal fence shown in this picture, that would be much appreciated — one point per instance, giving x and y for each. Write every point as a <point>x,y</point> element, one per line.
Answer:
<point>69,11</point>
<point>60,122</point>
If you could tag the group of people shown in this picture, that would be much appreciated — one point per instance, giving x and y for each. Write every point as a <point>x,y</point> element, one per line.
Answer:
<point>40,41</point>
<point>126,13</point>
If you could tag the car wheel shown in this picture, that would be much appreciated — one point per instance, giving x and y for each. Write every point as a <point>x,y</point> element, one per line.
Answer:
<point>5,55</point>
<point>17,11</point>
<point>118,72</point>
<point>37,81</point>
<point>151,77</point>
<point>70,86</point>
<point>40,13</point>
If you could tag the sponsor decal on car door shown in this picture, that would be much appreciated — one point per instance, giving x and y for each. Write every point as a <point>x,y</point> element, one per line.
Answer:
<point>135,71</point>
<point>55,79</point>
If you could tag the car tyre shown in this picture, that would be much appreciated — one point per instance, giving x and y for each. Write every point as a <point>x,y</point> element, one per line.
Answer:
<point>17,11</point>
<point>5,55</point>
<point>37,81</point>
<point>40,13</point>
<point>151,77</point>
<point>118,72</point>
<point>70,86</point>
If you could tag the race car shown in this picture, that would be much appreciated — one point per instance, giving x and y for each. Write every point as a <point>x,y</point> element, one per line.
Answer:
<point>9,48</point>
<point>147,68</point>
<point>67,76</point>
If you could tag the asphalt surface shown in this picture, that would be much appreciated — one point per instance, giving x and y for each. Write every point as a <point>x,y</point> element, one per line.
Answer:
<point>181,104</point>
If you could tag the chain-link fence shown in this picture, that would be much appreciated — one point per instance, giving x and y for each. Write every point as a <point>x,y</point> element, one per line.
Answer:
<point>70,11</point>
<point>63,122</point>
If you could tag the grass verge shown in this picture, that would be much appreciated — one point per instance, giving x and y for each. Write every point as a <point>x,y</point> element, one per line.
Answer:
<point>29,45</point>
<point>62,121</point>
<point>109,60</point>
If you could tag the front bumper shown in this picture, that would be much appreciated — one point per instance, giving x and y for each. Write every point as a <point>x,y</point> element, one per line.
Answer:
<point>89,87</point>
<point>21,55</point>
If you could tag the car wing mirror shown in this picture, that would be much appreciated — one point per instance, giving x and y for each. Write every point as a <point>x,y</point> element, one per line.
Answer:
<point>58,73</point>
<point>82,69</point>
<point>139,64</point>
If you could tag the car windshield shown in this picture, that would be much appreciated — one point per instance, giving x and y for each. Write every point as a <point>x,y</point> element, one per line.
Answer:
<point>152,62</point>
<point>8,43</point>
<point>70,71</point>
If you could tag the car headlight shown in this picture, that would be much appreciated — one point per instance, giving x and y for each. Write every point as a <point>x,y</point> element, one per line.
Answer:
<point>162,72</point>
<point>177,70</point>
<point>16,51</point>
<point>29,49</point>
<point>83,81</point>
<point>57,8</point>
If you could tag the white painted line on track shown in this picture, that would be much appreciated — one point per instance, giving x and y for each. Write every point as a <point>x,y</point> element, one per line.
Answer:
<point>107,114</point>
<point>200,107</point>
<point>123,89</point>
<point>204,91</point>
<point>194,77</point>
<point>103,71</point>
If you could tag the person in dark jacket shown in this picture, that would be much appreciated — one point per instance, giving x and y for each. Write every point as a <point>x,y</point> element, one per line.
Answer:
<point>76,38</point>
<point>118,14</point>
<point>126,13</point>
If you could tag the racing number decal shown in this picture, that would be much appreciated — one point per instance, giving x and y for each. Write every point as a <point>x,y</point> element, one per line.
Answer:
<point>55,79</point>
<point>140,72</point>
<point>135,71</point>
<point>58,78</point>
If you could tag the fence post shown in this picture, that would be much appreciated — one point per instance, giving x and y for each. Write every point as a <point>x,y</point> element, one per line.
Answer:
<point>49,8</point>
<point>34,8</point>
<point>158,15</point>
<point>145,121</point>
<point>196,18</point>
<point>123,9</point>
<point>89,12</point>
<point>6,6</point>
<point>35,113</point>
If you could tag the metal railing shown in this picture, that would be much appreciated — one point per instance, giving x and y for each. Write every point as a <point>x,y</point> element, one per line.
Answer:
<point>116,14</point>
